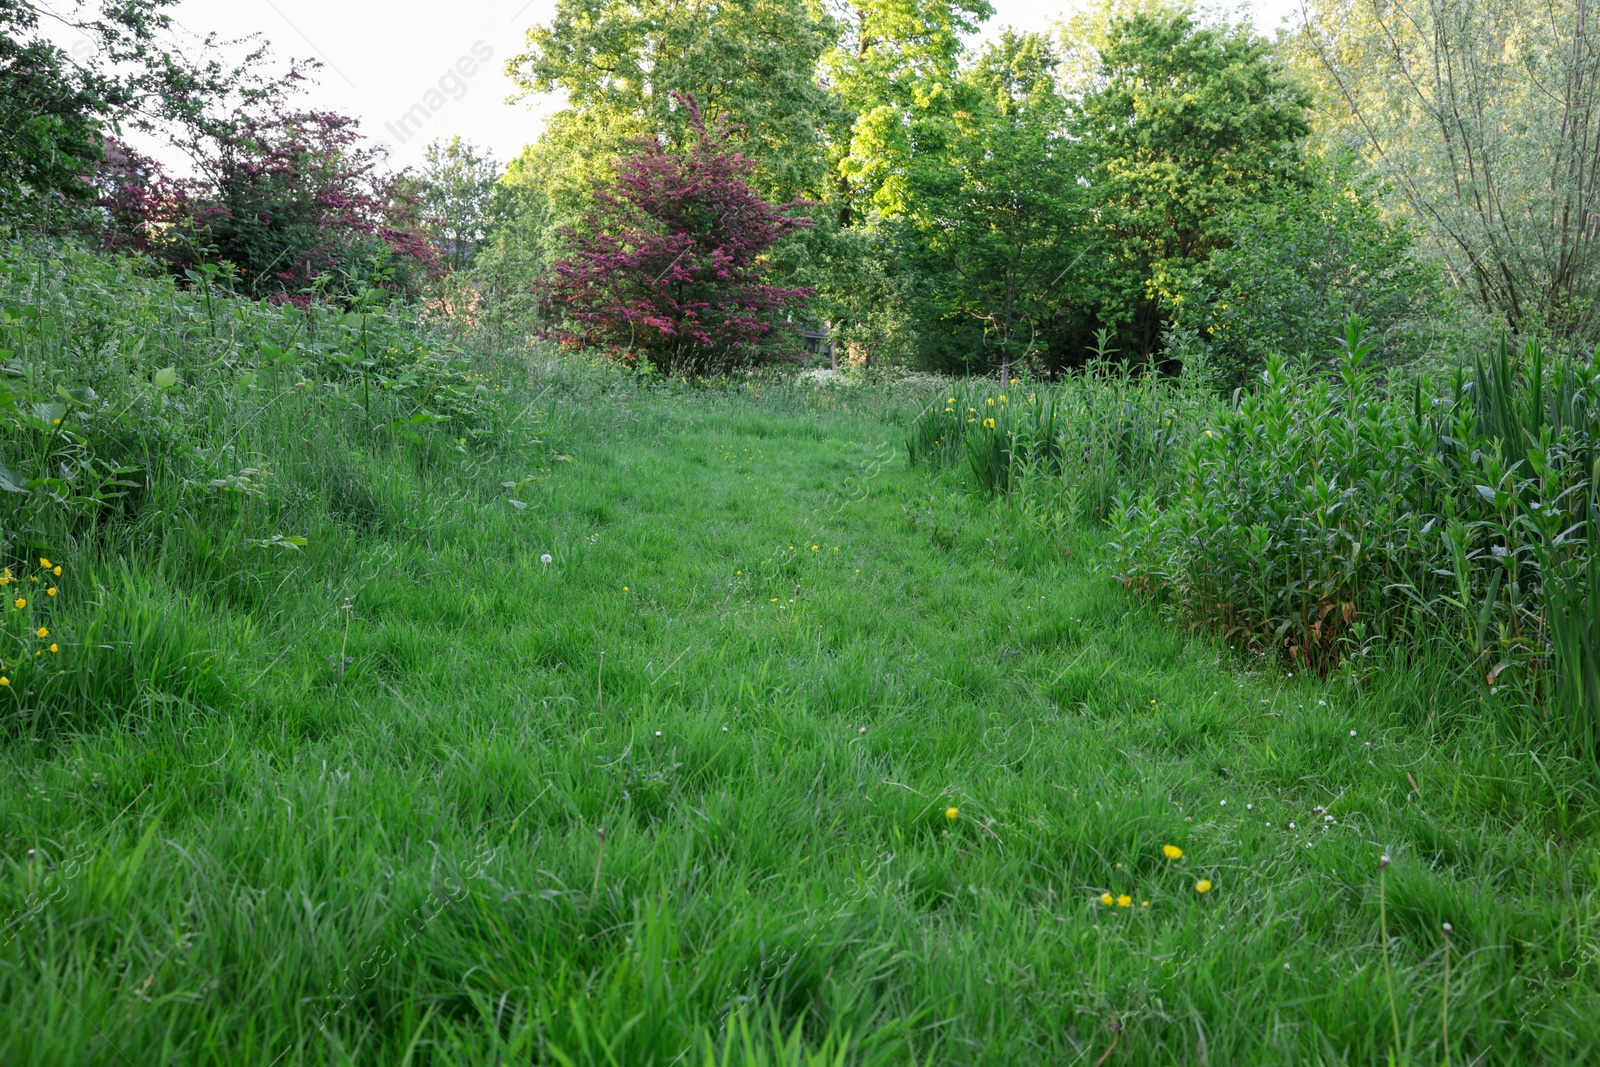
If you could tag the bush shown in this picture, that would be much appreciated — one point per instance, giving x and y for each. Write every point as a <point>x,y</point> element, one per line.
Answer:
<point>1326,517</point>
<point>1295,268</point>
<point>669,265</point>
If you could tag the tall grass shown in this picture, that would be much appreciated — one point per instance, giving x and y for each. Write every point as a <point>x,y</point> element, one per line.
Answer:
<point>370,835</point>
<point>1096,433</point>
<point>171,448</point>
<point>1341,520</point>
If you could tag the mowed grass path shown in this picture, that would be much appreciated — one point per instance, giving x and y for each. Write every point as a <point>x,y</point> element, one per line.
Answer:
<point>810,652</point>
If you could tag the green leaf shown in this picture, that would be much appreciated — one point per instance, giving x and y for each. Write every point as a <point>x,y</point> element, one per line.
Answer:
<point>166,378</point>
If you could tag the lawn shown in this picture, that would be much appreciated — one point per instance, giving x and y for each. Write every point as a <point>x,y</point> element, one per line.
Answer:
<point>731,738</point>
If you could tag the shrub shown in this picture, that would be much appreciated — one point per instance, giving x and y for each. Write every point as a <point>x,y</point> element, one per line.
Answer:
<point>670,263</point>
<point>1295,268</point>
<point>1325,517</point>
<point>295,202</point>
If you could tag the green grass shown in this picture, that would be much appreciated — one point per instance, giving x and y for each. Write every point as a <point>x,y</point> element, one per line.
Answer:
<point>404,864</point>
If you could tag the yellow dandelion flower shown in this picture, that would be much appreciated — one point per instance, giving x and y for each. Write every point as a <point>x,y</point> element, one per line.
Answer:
<point>1014,381</point>
<point>51,591</point>
<point>57,422</point>
<point>1124,901</point>
<point>55,647</point>
<point>1203,886</point>
<point>57,572</point>
<point>42,632</point>
<point>813,548</point>
<point>624,589</point>
<point>951,813</point>
<point>21,602</point>
<point>1107,899</point>
<point>1172,851</point>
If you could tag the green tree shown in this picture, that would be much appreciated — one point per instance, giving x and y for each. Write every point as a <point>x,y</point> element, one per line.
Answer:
<point>895,68</point>
<point>1296,268</point>
<point>750,63</point>
<point>1485,118</point>
<point>456,184</point>
<point>1185,124</point>
<point>992,207</point>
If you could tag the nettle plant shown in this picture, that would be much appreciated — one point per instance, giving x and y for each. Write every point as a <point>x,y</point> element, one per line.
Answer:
<point>670,266</point>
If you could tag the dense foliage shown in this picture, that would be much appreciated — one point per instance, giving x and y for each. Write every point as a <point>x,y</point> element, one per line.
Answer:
<point>669,264</point>
<point>126,401</point>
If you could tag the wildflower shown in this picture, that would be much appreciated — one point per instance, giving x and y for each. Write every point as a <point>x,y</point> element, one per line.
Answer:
<point>55,647</point>
<point>952,400</point>
<point>4,680</point>
<point>1144,904</point>
<point>774,600</point>
<point>1014,381</point>
<point>21,602</point>
<point>951,813</point>
<point>1107,899</point>
<point>990,401</point>
<point>813,548</point>
<point>1203,886</point>
<point>1002,398</point>
<point>57,571</point>
<point>546,558</point>
<point>624,589</point>
<point>1172,852</point>
<point>51,591</point>
<point>836,548</point>
<point>44,563</point>
<point>56,423</point>
<point>988,424</point>
<point>42,632</point>
<point>1124,901</point>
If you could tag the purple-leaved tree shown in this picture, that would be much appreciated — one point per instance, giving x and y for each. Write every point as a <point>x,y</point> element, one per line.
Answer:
<point>670,264</point>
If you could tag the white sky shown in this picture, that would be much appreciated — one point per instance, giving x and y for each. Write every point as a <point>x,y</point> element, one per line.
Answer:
<point>383,58</point>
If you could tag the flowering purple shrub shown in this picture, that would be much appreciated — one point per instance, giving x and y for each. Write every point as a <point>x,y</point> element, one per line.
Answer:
<point>670,263</point>
<point>292,199</point>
